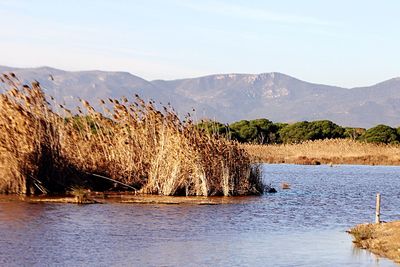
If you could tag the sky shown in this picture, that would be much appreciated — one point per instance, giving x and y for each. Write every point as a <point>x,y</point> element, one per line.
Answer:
<point>341,42</point>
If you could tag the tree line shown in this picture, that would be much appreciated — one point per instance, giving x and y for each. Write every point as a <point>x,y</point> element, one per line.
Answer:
<point>264,131</point>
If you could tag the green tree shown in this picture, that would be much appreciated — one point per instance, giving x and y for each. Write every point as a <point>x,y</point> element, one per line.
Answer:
<point>353,133</point>
<point>303,131</point>
<point>260,131</point>
<point>381,134</point>
<point>326,129</point>
<point>266,131</point>
<point>277,136</point>
<point>243,131</point>
<point>295,133</point>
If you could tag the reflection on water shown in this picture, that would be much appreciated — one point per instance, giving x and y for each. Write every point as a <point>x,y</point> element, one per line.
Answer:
<point>304,226</point>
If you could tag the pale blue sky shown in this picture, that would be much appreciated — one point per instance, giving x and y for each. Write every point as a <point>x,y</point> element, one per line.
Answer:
<point>345,43</point>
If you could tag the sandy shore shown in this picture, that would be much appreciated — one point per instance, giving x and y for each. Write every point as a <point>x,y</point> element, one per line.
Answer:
<point>382,239</point>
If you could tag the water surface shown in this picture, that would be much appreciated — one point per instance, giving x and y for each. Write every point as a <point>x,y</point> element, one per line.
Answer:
<point>304,226</point>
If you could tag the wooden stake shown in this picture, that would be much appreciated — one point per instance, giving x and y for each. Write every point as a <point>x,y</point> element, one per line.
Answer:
<point>378,208</point>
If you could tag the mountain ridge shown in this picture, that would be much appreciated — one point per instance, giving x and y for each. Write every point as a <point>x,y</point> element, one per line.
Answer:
<point>232,96</point>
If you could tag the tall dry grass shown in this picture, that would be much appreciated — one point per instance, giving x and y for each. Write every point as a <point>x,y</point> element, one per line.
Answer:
<point>129,143</point>
<point>336,151</point>
<point>382,239</point>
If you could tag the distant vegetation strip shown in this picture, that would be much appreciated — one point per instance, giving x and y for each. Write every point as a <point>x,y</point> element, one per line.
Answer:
<point>264,131</point>
<point>329,151</point>
<point>315,142</point>
<point>131,143</point>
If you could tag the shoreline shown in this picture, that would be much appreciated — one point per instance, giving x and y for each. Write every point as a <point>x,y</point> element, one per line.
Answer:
<point>381,239</point>
<point>302,160</point>
<point>125,198</point>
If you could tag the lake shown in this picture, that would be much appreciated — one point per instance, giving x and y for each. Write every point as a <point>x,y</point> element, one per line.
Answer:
<point>303,226</point>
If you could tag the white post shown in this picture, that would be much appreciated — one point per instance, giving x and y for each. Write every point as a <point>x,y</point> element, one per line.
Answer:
<point>378,208</point>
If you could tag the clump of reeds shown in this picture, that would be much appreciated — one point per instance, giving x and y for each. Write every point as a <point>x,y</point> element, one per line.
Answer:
<point>382,239</point>
<point>31,154</point>
<point>130,145</point>
<point>362,232</point>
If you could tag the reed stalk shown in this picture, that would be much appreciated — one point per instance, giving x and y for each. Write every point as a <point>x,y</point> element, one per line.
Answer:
<point>131,142</point>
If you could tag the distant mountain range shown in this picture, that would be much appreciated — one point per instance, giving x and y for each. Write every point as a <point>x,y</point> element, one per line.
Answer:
<point>232,97</point>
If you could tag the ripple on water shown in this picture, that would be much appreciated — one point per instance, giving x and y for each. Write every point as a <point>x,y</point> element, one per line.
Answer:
<point>303,226</point>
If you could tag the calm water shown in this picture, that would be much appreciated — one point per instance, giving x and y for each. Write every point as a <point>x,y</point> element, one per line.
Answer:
<point>304,226</point>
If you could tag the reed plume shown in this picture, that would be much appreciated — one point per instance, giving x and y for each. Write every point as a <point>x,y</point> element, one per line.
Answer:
<point>130,142</point>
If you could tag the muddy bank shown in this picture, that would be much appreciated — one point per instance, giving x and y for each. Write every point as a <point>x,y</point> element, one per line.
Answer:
<point>382,239</point>
<point>126,197</point>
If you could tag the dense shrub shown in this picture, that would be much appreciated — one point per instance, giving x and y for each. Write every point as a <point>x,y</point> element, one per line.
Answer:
<point>353,133</point>
<point>243,131</point>
<point>260,131</point>
<point>303,131</point>
<point>264,131</point>
<point>267,131</point>
<point>381,134</point>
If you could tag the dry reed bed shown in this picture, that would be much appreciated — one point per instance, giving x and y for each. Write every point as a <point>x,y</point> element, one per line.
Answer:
<point>335,151</point>
<point>382,239</point>
<point>133,143</point>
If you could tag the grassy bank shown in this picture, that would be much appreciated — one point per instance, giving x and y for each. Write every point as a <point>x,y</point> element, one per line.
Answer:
<point>330,151</point>
<point>382,239</point>
<point>127,145</point>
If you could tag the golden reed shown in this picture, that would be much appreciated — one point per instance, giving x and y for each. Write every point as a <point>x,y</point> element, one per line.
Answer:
<point>328,151</point>
<point>128,145</point>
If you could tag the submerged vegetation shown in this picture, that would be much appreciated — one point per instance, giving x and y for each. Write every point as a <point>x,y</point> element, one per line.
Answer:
<point>128,145</point>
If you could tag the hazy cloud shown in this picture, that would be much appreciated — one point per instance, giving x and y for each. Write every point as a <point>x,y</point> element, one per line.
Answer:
<point>249,13</point>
